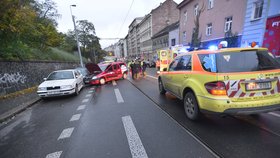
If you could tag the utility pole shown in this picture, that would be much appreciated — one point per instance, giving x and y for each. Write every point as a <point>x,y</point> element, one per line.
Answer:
<point>76,34</point>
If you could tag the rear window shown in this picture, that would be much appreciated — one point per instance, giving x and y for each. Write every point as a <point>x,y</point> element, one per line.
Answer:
<point>244,61</point>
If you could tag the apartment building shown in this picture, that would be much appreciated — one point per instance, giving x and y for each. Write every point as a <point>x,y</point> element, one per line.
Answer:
<point>219,19</point>
<point>133,37</point>
<point>262,24</point>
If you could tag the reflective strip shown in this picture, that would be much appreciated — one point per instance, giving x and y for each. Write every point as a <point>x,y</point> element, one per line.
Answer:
<point>240,94</point>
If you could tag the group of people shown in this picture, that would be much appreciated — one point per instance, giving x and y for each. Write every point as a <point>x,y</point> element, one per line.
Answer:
<point>137,68</point>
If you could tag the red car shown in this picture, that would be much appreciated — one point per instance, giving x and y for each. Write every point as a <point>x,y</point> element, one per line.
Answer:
<point>107,72</point>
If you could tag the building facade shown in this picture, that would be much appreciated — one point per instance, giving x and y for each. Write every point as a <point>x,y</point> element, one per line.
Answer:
<point>145,35</point>
<point>133,37</point>
<point>262,24</point>
<point>218,20</point>
<point>162,40</point>
<point>165,14</point>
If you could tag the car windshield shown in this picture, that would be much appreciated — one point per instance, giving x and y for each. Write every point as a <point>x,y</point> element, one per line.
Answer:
<point>61,75</point>
<point>243,61</point>
<point>83,71</point>
<point>103,66</point>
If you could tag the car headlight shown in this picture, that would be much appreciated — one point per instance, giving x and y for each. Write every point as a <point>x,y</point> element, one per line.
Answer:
<point>66,87</point>
<point>94,77</point>
<point>42,88</point>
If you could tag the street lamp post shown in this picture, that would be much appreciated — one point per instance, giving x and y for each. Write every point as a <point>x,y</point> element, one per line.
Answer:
<point>76,34</point>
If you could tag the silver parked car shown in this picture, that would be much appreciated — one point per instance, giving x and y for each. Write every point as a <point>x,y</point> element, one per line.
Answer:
<point>61,82</point>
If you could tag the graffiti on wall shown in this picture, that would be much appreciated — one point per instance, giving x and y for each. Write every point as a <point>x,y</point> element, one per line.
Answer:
<point>12,78</point>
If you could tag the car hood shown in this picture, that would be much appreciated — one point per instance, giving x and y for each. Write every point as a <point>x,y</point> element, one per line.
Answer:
<point>51,83</point>
<point>93,68</point>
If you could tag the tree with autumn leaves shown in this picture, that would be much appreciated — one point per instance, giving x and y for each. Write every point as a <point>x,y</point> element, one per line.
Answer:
<point>29,26</point>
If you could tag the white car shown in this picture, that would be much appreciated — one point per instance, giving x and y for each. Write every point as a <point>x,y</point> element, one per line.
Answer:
<point>61,82</point>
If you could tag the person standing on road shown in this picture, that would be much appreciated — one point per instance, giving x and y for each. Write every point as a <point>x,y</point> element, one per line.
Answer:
<point>144,66</point>
<point>136,68</point>
<point>132,68</point>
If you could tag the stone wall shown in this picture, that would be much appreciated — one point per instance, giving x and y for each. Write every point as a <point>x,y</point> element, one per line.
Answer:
<point>16,76</point>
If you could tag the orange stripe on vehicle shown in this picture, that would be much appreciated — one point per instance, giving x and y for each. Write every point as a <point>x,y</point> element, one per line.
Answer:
<point>196,64</point>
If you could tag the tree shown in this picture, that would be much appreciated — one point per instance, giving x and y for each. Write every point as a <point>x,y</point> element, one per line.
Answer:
<point>26,24</point>
<point>88,39</point>
<point>196,40</point>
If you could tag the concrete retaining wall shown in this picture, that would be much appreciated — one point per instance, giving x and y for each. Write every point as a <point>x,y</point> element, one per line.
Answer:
<point>16,76</point>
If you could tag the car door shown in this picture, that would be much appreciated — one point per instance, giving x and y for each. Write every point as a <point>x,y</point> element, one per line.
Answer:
<point>183,69</point>
<point>79,78</point>
<point>110,74</point>
<point>117,71</point>
<point>168,76</point>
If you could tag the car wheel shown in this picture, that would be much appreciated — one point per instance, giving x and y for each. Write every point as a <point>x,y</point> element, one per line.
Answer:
<point>102,81</point>
<point>124,75</point>
<point>161,87</point>
<point>191,106</point>
<point>76,90</point>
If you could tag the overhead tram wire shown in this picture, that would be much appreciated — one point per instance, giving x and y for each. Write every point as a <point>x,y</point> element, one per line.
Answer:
<point>125,17</point>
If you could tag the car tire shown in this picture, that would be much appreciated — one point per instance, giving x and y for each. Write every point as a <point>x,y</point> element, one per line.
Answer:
<point>161,87</point>
<point>124,75</point>
<point>191,106</point>
<point>102,81</point>
<point>76,90</point>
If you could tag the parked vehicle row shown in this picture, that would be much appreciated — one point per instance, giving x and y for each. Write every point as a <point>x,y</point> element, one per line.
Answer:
<point>71,81</point>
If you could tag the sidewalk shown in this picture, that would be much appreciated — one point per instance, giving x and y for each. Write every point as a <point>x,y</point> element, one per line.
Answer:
<point>14,105</point>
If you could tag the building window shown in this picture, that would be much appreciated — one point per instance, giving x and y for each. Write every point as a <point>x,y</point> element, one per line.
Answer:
<point>173,42</point>
<point>209,29</point>
<point>228,24</point>
<point>257,10</point>
<point>184,34</point>
<point>210,4</point>
<point>185,17</point>
<point>196,10</point>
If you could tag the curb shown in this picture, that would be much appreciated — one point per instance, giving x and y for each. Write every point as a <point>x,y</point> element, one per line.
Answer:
<point>9,114</point>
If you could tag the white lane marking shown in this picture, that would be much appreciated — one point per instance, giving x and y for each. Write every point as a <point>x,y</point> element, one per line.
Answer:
<point>118,96</point>
<point>114,83</point>
<point>54,155</point>
<point>75,117</point>
<point>85,100</point>
<point>274,114</point>
<point>152,77</point>
<point>81,107</point>
<point>90,91</point>
<point>136,147</point>
<point>66,133</point>
<point>88,95</point>
<point>92,88</point>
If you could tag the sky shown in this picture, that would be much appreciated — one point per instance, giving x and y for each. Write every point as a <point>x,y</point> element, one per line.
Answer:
<point>110,17</point>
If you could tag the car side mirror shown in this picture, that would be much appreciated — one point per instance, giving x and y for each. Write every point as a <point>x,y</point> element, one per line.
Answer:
<point>45,79</point>
<point>164,69</point>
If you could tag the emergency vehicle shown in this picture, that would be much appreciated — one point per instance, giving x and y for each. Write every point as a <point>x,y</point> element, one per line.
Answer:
<point>225,81</point>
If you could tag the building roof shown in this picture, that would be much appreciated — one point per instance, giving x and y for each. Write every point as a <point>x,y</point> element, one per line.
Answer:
<point>162,4</point>
<point>138,18</point>
<point>166,30</point>
<point>182,4</point>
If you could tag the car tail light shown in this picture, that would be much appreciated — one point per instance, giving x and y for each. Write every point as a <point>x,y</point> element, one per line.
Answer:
<point>216,88</point>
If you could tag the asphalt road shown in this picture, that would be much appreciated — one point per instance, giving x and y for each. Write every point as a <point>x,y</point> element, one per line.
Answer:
<point>113,120</point>
<point>129,118</point>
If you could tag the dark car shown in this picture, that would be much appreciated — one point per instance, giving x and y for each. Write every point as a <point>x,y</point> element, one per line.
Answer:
<point>86,74</point>
<point>103,73</point>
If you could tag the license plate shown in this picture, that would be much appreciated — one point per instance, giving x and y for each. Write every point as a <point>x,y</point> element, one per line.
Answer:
<point>252,86</point>
<point>51,93</point>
